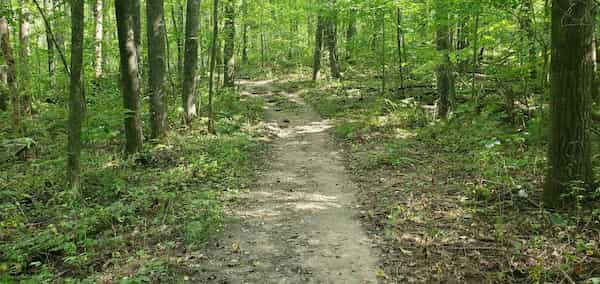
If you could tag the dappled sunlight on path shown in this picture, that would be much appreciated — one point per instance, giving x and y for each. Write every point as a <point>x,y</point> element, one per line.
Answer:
<point>298,223</point>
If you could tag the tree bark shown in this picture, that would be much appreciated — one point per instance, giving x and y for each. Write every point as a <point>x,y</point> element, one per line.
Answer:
<point>192,24</point>
<point>137,33</point>
<point>49,6</point>
<point>177,20</point>
<point>318,47</point>
<point>331,32</point>
<point>571,72</point>
<point>350,34</point>
<point>3,88</point>
<point>24,54</point>
<point>130,81</point>
<point>213,61</point>
<point>400,47</point>
<point>157,61</point>
<point>76,97</point>
<point>11,70</point>
<point>99,35</point>
<point>383,53</point>
<point>475,90</point>
<point>228,49</point>
<point>245,33</point>
<point>59,32</point>
<point>445,80</point>
<point>526,22</point>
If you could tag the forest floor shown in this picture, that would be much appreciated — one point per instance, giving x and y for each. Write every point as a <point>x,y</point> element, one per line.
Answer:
<point>456,201</point>
<point>364,188</point>
<point>298,223</point>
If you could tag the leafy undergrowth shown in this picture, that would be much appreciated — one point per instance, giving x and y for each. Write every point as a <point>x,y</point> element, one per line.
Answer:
<point>132,216</point>
<point>459,201</point>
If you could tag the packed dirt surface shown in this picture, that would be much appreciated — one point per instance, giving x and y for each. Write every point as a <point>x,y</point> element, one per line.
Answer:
<point>299,223</point>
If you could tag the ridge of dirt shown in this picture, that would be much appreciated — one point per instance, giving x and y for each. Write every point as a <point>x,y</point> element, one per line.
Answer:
<point>299,223</point>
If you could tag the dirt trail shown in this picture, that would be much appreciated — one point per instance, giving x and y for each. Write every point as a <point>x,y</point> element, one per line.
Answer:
<point>298,224</point>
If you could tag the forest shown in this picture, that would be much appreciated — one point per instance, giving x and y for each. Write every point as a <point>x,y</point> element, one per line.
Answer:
<point>299,141</point>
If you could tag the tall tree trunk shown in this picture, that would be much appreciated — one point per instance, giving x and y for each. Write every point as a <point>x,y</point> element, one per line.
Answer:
<point>59,30</point>
<point>526,21</point>
<point>157,61</point>
<point>545,80</point>
<point>220,65</point>
<point>192,24</point>
<point>177,20</point>
<point>76,96</point>
<point>49,6</point>
<point>596,90</point>
<point>3,88</point>
<point>11,69</point>
<point>263,49</point>
<point>571,71</point>
<point>382,54</point>
<point>350,34</point>
<point>596,57</point>
<point>400,47</point>
<point>213,61</point>
<point>137,31</point>
<point>445,80</point>
<point>99,35</point>
<point>332,42</point>
<point>262,39</point>
<point>130,81</point>
<point>245,33</point>
<point>228,50</point>
<point>475,55</point>
<point>318,47</point>
<point>24,54</point>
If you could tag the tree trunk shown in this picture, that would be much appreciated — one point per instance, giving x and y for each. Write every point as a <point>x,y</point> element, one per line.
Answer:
<point>130,81</point>
<point>76,96</point>
<point>24,54</point>
<point>245,34</point>
<point>157,61</point>
<point>527,16</point>
<point>137,31</point>
<point>350,33</point>
<point>382,54</point>
<point>98,9</point>
<point>332,42</point>
<point>318,46</point>
<point>192,24</point>
<point>596,86</point>
<point>262,39</point>
<point>213,61</point>
<point>11,70</point>
<point>59,31</point>
<point>228,50</point>
<point>475,90</point>
<point>3,88</point>
<point>400,47</point>
<point>571,72</point>
<point>177,19</point>
<point>49,6</point>
<point>445,82</point>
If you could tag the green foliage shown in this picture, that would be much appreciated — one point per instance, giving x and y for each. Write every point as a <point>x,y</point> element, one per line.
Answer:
<point>168,195</point>
<point>480,155</point>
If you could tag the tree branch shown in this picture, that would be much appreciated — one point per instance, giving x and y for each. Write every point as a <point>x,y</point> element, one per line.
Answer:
<point>49,29</point>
